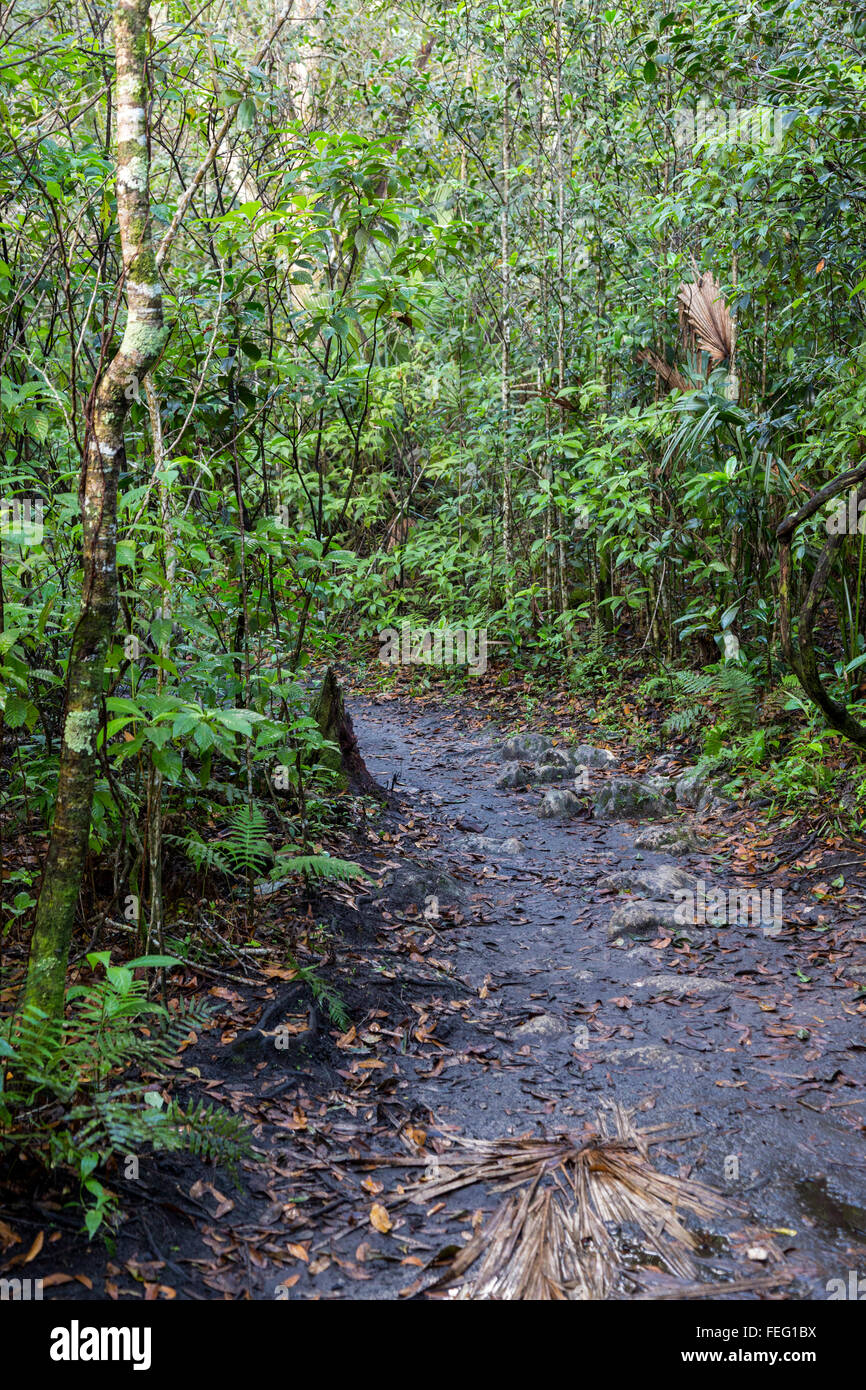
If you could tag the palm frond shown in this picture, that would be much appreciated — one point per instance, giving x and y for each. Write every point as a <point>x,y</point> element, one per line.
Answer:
<point>706,316</point>
<point>556,1237</point>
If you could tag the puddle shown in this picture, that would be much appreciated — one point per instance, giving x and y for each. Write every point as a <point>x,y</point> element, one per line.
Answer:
<point>827,1208</point>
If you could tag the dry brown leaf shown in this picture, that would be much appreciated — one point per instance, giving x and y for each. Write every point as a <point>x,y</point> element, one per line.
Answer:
<point>379,1218</point>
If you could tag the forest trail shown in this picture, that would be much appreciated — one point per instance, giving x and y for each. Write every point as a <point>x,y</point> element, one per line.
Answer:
<point>688,1037</point>
<point>507,1010</point>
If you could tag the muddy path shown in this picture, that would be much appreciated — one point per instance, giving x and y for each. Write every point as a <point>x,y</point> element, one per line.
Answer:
<point>486,997</point>
<point>751,1042</point>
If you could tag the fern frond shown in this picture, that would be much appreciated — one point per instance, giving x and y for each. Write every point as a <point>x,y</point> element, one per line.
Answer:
<point>323,866</point>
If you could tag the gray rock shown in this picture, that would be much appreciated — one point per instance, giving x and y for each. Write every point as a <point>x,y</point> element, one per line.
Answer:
<point>551,772</point>
<point>693,789</point>
<point>651,1055</point>
<point>542,1026</point>
<point>625,798</point>
<point>690,787</point>
<point>557,757</point>
<point>414,883</point>
<point>641,919</point>
<point>486,844</point>
<point>588,756</point>
<point>658,883</point>
<point>511,846</point>
<point>559,805</point>
<point>680,984</point>
<point>674,839</point>
<point>710,804</point>
<point>525,746</point>
<point>514,775</point>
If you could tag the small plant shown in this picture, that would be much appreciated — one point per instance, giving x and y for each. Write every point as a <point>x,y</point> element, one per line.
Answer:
<point>64,1100</point>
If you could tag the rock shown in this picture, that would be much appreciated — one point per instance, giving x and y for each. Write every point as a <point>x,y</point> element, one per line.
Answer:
<point>625,798</point>
<point>415,883</point>
<point>486,844</point>
<point>680,984</point>
<point>712,805</point>
<point>651,1055</point>
<point>514,775</point>
<point>693,789</point>
<point>559,805</point>
<point>690,787</point>
<point>650,883</point>
<point>524,746</point>
<point>557,757</point>
<point>588,756</point>
<point>542,1026</point>
<point>511,846</point>
<point>642,919</point>
<point>550,772</point>
<point>674,839</point>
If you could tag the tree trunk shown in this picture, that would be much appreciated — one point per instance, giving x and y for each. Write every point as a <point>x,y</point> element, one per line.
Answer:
<point>335,724</point>
<point>104,456</point>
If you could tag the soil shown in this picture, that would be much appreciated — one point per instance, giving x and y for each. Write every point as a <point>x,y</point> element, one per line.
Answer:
<point>747,1061</point>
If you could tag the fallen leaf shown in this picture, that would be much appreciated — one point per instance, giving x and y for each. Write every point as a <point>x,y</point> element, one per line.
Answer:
<point>379,1218</point>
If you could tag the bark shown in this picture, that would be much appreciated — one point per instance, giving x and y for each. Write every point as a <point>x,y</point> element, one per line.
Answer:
<point>800,654</point>
<point>104,455</point>
<point>335,724</point>
<point>505,347</point>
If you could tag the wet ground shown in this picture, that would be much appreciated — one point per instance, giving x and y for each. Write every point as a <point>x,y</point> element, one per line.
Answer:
<point>511,1012</point>
<point>775,1121</point>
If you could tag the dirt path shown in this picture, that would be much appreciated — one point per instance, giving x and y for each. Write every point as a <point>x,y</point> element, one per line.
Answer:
<point>511,1012</point>
<point>787,1109</point>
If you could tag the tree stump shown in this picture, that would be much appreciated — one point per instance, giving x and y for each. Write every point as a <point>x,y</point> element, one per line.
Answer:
<point>335,724</point>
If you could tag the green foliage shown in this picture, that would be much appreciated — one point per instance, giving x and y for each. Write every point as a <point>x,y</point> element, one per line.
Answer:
<point>731,688</point>
<point>65,1099</point>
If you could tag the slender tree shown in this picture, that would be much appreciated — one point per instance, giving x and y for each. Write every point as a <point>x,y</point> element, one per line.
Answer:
<point>104,455</point>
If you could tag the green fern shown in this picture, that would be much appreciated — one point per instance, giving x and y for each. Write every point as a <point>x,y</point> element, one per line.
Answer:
<point>728,685</point>
<point>64,1101</point>
<point>244,850</point>
<point>683,720</point>
<point>325,995</point>
<point>324,866</point>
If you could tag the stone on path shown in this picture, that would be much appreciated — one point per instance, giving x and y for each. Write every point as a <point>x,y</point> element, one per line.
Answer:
<point>650,883</point>
<point>626,798</point>
<point>514,774</point>
<point>680,984</point>
<point>525,746</point>
<point>641,919</point>
<point>559,805</point>
<point>674,839</point>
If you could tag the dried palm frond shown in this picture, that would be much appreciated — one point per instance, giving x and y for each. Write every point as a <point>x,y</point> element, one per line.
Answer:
<point>705,315</point>
<point>669,374</point>
<point>553,1239</point>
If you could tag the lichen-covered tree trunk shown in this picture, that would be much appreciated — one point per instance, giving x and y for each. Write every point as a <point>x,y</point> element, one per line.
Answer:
<point>139,350</point>
<point>335,724</point>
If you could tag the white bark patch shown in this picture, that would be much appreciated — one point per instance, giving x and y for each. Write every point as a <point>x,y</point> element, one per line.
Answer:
<point>130,122</point>
<point>80,730</point>
<point>107,450</point>
<point>133,175</point>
